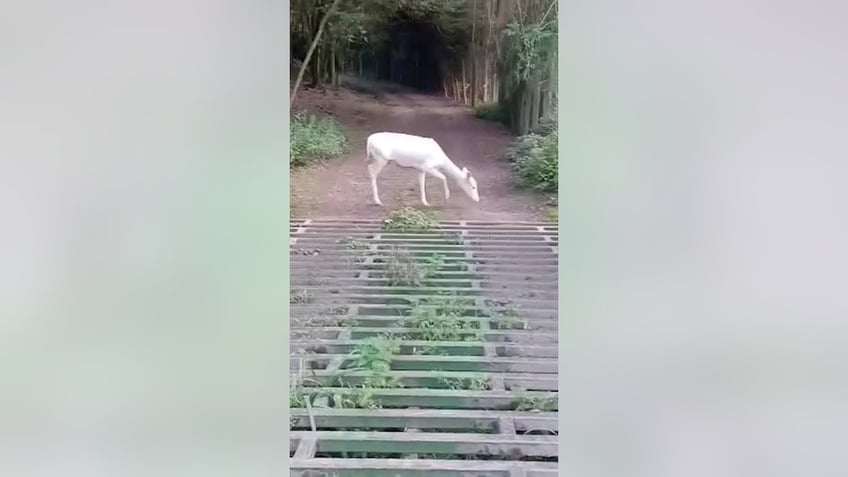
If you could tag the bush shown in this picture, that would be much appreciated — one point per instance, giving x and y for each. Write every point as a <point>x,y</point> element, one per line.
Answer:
<point>536,161</point>
<point>493,112</point>
<point>315,138</point>
<point>521,146</point>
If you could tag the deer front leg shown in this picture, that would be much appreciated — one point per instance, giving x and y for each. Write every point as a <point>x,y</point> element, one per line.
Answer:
<point>374,191</point>
<point>422,177</point>
<point>438,175</point>
<point>374,168</point>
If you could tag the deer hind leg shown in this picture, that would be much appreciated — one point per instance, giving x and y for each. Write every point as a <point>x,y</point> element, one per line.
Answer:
<point>375,165</point>
<point>438,175</point>
<point>422,178</point>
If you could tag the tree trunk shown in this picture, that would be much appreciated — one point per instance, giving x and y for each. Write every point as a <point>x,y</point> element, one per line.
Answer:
<point>474,56</point>
<point>486,79</point>
<point>545,110</point>
<point>464,93</point>
<point>333,74</point>
<point>311,49</point>
<point>535,99</point>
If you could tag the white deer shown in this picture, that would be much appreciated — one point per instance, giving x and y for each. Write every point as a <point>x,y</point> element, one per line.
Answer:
<point>422,153</point>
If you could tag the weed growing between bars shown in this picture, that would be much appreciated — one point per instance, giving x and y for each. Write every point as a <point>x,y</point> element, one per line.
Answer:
<point>453,238</point>
<point>301,297</point>
<point>508,320</point>
<point>409,220</point>
<point>506,316</point>
<point>374,355</point>
<point>537,403</point>
<point>442,319</point>
<point>470,384</point>
<point>359,249</point>
<point>403,269</point>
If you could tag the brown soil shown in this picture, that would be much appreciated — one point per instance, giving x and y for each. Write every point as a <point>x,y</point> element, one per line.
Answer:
<point>340,188</point>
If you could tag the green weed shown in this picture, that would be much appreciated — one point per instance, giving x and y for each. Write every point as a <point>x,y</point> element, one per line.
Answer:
<point>409,219</point>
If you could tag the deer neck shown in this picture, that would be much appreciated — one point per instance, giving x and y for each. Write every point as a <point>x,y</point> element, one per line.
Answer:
<point>450,169</point>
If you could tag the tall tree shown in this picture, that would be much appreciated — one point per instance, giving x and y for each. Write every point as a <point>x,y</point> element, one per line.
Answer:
<point>311,50</point>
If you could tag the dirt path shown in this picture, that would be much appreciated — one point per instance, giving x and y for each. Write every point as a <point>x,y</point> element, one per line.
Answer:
<point>341,187</point>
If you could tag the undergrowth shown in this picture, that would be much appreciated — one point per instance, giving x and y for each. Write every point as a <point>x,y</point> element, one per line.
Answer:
<point>493,112</point>
<point>535,161</point>
<point>315,138</point>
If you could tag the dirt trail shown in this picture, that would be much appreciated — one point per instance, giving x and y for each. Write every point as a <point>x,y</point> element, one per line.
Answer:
<point>341,187</point>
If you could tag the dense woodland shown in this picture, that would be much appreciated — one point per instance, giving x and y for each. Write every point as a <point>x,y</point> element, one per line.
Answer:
<point>497,53</point>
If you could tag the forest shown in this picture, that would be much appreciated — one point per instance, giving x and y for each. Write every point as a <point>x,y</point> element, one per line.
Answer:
<point>497,56</point>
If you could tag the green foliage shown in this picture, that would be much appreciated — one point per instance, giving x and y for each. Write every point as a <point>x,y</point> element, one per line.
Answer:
<point>535,158</point>
<point>315,138</point>
<point>493,112</point>
<point>409,220</point>
<point>528,53</point>
<point>539,168</point>
<point>375,355</point>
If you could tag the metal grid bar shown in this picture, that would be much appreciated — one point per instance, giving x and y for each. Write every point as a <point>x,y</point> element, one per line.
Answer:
<point>503,278</point>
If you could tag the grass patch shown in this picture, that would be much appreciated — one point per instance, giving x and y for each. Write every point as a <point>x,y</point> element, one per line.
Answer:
<point>493,112</point>
<point>315,138</point>
<point>409,219</point>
